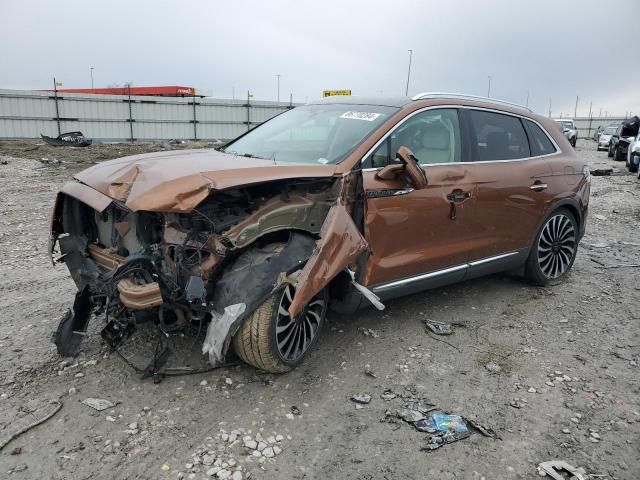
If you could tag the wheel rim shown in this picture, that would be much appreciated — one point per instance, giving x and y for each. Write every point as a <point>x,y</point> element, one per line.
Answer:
<point>556,246</point>
<point>295,335</point>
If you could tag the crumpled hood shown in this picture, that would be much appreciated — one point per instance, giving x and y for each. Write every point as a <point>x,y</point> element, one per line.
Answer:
<point>178,181</point>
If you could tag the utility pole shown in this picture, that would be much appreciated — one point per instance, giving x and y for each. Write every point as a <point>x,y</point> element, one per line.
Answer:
<point>55,96</point>
<point>549,108</point>
<point>590,119</point>
<point>489,88</point>
<point>91,70</point>
<point>233,93</point>
<point>406,90</point>
<point>600,114</point>
<point>278,97</point>
<point>575,110</point>
<point>527,105</point>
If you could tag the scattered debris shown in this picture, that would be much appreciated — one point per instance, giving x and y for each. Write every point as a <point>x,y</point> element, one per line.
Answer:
<point>368,332</point>
<point>295,410</point>
<point>602,172</point>
<point>493,367</point>
<point>388,395</point>
<point>69,139</point>
<point>98,404</point>
<point>368,371</point>
<point>483,429</point>
<point>33,424</point>
<point>448,429</point>
<point>363,398</point>
<point>597,216</point>
<point>439,328</point>
<point>410,415</point>
<point>16,451</point>
<point>556,468</point>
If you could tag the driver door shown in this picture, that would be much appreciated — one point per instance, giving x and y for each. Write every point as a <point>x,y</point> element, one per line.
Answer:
<point>418,238</point>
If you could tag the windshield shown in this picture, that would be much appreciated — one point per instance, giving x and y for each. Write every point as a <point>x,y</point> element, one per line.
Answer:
<point>610,130</point>
<point>312,133</point>
<point>568,125</point>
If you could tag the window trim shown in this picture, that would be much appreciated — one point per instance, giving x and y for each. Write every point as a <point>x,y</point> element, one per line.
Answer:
<point>474,161</point>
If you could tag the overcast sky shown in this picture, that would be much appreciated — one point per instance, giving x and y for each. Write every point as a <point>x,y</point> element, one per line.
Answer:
<point>551,49</point>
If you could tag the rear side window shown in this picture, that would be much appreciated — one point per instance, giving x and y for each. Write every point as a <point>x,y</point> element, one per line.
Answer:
<point>498,137</point>
<point>538,140</point>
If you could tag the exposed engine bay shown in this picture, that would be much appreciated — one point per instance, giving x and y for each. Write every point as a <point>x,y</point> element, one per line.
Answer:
<point>174,268</point>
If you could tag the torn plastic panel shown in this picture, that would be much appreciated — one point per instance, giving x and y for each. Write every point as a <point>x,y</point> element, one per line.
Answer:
<point>218,331</point>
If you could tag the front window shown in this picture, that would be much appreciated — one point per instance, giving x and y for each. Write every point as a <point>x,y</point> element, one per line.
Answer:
<point>316,134</point>
<point>567,125</point>
<point>610,131</point>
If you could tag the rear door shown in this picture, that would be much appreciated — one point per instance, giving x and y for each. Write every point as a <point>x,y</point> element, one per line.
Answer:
<point>418,238</point>
<point>511,187</point>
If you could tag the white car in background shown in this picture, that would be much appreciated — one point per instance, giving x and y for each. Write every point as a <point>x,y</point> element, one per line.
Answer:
<point>605,137</point>
<point>633,154</point>
<point>569,129</point>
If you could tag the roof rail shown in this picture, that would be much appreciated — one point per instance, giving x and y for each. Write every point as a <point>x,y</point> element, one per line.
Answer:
<point>462,96</point>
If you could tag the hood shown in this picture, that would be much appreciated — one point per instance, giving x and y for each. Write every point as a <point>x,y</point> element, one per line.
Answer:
<point>605,137</point>
<point>178,181</point>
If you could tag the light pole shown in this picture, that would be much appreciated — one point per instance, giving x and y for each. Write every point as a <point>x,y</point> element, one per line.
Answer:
<point>278,77</point>
<point>527,105</point>
<point>549,108</point>
<point>489,88</point>
<point>575,110</point>
<point>91,70</point>
<point>406,90</point>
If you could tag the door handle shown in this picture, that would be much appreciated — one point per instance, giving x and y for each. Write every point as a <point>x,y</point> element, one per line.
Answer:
<point>458,196</point>
<point>539,186</point>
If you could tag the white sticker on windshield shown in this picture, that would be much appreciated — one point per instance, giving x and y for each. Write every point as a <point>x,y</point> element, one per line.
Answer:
<point>367,116</point>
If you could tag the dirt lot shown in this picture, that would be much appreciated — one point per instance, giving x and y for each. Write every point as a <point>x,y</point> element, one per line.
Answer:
<point>553,370</point>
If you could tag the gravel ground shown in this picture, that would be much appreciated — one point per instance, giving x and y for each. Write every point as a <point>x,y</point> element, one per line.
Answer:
<point>553,370</point>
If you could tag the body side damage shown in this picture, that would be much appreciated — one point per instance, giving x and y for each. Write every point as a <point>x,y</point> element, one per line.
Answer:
<point>339,246</point>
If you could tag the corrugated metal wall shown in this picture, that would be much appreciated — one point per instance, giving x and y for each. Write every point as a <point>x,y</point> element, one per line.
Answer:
<point>27,114</point>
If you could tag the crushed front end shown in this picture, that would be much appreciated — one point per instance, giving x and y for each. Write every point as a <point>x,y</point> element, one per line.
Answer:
<point>166,267</point>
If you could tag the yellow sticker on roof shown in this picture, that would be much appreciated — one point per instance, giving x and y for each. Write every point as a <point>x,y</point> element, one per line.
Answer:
<point>367,116</point>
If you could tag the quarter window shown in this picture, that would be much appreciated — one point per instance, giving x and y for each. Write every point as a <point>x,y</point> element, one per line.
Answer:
<point>538,140</point>
<point>497,136</point>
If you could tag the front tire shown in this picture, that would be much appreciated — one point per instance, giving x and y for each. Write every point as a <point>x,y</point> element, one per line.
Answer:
<point>610,151</point>
<point>554,249</point>
<point>631,165</point>
<point>271,341</point>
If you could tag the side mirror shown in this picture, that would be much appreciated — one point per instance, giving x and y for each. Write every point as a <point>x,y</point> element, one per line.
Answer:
<point>407,165</point>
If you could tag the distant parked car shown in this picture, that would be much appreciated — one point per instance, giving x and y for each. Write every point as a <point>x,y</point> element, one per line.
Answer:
<point>633,154</point>
<point>569,129</point>
<point>605,137</point>
<point>624,134</point>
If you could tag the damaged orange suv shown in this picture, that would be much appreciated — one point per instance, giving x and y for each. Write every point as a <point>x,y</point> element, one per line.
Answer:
<point>336,204</point>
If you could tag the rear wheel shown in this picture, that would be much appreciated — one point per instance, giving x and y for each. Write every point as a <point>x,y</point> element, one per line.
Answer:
<point>554,250</point>
<point>271,340</point>
<point>632,165</point>
<point>610,151</point>
<point>573,142</point>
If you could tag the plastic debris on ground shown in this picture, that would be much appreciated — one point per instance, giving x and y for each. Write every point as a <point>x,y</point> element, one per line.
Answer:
<point>557,468</point>
<point>98,404</point>
<point>363,398</point>
<point>448,429</point>
<point>217,331</point>
<point>439,328</point>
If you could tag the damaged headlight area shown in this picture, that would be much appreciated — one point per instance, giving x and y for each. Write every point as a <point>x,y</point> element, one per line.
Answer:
<point>178,269</point>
